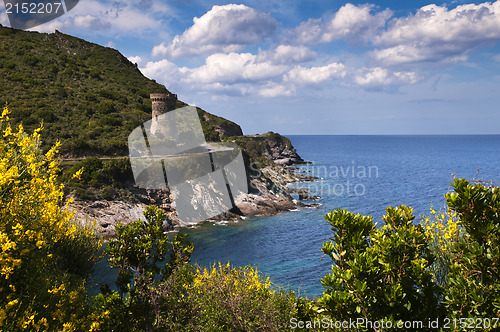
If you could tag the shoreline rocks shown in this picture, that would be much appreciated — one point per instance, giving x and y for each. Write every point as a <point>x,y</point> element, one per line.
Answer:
<point>268,195</point>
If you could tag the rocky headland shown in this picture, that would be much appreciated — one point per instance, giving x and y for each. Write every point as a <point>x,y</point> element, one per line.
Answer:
<point>268,192</point>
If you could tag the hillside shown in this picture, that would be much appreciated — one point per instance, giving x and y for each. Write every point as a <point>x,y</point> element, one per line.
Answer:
<point>88,96</point>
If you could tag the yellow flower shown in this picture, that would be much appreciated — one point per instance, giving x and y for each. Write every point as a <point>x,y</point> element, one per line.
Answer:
<point>78,174</point>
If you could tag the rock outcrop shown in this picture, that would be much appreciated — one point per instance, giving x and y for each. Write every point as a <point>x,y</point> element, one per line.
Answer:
<point>268,195</point>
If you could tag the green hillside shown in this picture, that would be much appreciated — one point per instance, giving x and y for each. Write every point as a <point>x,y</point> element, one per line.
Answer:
<point>88,96</point>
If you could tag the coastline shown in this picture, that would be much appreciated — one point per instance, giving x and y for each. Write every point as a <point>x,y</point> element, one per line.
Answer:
<point>269,194</point>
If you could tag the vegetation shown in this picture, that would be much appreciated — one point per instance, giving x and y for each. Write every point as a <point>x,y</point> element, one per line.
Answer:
<point>257,148</point>
<point>444,270</point>
<point>379,274</point>
<point>171,295</point>
<point>88,96</point>
<point>47,262</point>
<point>446,267</point>
<point>46,258</point>
<point>108,179</point>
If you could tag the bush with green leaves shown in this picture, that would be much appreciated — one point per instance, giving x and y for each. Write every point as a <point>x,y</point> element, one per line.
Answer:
<point>139,253</point>
<point>379,273</point>
<point>474,277</point>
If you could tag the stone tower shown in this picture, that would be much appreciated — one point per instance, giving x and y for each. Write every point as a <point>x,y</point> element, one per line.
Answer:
<point>162,104</point>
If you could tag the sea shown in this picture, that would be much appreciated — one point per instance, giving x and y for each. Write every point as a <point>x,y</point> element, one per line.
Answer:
<point>363,174</point>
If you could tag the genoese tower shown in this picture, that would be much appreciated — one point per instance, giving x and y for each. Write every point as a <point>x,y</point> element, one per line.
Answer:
<point>162,104</point>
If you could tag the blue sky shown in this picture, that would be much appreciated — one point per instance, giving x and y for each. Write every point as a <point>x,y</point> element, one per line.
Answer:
<point>312,67</point>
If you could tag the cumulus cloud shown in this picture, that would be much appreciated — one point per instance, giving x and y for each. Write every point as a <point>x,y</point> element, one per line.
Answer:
<point>237,74</point>
<point>286,54</point>
<point>222,29</point>
<point>380,78</point>
<point>438,34</point>
<point>315,75</point>
<point>234,68</point>
<point>164,71</point>
<point>273,89</point>
<point>350,22</point>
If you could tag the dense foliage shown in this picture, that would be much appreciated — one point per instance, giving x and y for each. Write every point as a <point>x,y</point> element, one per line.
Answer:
<point>257,148</point>
<point>107,179</point>
<point>444,270</point>
<point>474,278</point>
<point>46,258</point>
<point>379,273</point>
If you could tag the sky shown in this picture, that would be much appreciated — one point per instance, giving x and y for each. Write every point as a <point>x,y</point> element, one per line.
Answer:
<point>312,66</point>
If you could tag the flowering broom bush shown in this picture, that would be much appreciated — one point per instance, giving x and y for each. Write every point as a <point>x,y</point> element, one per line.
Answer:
<point>225,298</point>
<point>444,231</point>
<point>45,257</point>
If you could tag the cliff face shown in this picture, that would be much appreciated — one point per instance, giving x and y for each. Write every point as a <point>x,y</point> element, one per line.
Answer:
<point>267,195</point>
<point>267,149</point>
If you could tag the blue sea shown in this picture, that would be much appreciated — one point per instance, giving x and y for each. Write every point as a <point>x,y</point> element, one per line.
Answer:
<point>363,174</point>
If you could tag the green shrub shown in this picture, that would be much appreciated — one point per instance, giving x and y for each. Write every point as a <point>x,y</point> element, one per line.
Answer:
<point>138,252</point>
<point>225,298</point>
<point>474,278</point>
<point>379,273</point>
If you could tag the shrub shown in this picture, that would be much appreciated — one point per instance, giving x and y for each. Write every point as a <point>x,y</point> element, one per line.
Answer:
<point>159,294</point>
<point>226,298</point>
<point>379,273</point>
<point>139,252</point>
<point>443,231</point>
<point>474,277</point>
<point>46,258</point>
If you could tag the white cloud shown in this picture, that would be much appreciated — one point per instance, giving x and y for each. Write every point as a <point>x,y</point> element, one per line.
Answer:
<point>308,32</point>
<point>222,29</point>
<point>315,75</point>
<point>286,54</point>
<point>273,89</point>
<point>350,22</point>
<point>163,71</point>
<point>405,54</point>
<point>437,34</point>
<point>137,60</point>
<point>380,78</point>
<point>119,18</point>
<point>234,68</point>
<point>238,74</point>
<point>356,21</point>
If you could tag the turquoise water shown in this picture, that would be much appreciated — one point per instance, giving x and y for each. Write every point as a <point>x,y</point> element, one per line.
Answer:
<point>363,174</point>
